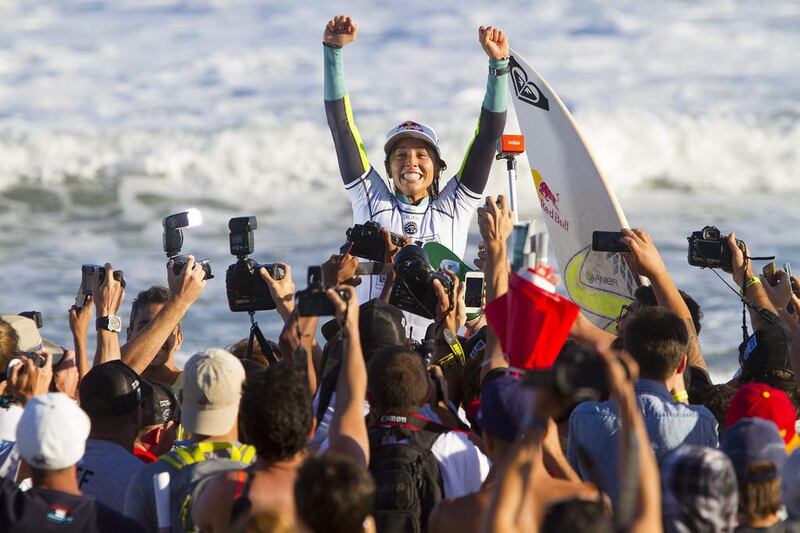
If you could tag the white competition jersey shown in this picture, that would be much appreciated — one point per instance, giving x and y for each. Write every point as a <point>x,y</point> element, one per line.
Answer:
<point>445,220</point>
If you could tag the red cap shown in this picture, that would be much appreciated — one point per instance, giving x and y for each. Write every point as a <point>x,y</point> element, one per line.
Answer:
<point>762,401</point>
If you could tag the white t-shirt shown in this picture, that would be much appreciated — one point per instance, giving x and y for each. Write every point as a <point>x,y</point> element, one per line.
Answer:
<point>445,220</point>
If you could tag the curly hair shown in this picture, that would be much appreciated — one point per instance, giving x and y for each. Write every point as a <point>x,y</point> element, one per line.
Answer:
<point>276,412</point>
<point>8,344</point>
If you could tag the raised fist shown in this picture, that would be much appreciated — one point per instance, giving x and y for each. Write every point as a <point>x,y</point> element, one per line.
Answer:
<point>340,31</point>
<point>493,41</point>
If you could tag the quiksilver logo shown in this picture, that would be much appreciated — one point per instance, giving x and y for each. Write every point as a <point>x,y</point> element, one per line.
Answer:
<point>526,90</point>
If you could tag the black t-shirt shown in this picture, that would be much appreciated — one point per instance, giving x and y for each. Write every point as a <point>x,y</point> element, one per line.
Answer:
<point>44,510</point>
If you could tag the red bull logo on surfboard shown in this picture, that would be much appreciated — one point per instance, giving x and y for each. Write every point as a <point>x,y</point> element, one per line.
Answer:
<point>549,202</point>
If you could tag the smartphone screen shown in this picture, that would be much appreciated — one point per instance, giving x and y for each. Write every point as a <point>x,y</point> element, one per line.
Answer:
<point>608,241</point>
<point>473,294</point>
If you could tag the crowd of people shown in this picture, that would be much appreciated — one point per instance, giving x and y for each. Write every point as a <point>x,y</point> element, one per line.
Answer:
<point>368,430</point>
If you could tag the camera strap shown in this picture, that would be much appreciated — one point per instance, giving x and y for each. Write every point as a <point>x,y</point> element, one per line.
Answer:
<point>255,334</point>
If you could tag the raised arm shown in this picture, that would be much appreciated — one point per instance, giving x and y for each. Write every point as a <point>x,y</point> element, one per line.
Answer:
<point>474,171</point>
<point>348,430</point>
<point>339,32</point>
<point>645,260</point>
<point>107,298</point>
<point>753,290</point>
<point>184,289</point>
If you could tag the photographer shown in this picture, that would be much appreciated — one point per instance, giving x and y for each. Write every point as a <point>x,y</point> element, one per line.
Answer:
<point>417,207</point>
<point>145,344</point>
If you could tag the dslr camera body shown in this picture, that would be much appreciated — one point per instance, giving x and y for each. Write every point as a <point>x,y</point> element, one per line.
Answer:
<point>173,240</point>
<point>85,290</point>
<point>413,285</point>
<point>366,241</point>
<point>709,248</point>
<point>313,301</point>
<point>247,291</point>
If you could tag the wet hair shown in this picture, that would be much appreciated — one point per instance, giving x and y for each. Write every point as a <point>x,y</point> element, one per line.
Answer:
<point>576,514</point>
<point>657,339</point>
<point>156,294</point>
<point>333,494</point>
<point>8,344</point>
<point>760,491</point>
<point>439,166</point>
<point>645,296</point>
<point>397,381</point>
<point>275,411</point>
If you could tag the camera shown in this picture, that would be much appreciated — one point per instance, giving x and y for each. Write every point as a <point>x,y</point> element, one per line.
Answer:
<point>578,374</point>
<point>173,240</point>
<point>367,241</point>
<point>709,248</point>
<point>87,273</point>
<point>313,301</point>
<point>247,291</point>
<point>413,285</point>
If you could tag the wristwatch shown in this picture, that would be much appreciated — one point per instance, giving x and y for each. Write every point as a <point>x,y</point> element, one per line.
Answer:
<point>111,323</point>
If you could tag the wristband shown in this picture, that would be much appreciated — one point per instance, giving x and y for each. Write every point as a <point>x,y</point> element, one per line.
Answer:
<point>681,396</point>
<point>749,282</point>
<point>329,45</point>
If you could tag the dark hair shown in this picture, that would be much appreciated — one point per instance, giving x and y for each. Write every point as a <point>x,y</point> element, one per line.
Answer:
<point>333,494</point>
<point>645,296</point>
<point>760,491</point>
<point>276,411</point>
<point>657,339</point>
<point>397,381</point>
<point>156,294</point>
<point>438,163</point>
<point>576,514</point>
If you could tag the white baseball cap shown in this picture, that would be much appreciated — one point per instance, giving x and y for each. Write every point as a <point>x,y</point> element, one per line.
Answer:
<point>52,432</point>
<point>414,130</point>
<point>212,388</point>
<point>30,340</point>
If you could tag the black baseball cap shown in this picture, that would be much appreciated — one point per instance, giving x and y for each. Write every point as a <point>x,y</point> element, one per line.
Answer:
<point>159,404</point>
<point>767,349</point>
<point>110,389</point>
<point>379,324</point>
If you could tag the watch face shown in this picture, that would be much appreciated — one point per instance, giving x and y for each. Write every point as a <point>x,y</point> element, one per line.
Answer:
<point>114,323</point>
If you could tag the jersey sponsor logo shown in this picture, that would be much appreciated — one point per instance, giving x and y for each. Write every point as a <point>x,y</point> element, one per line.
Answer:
<point>549,202</point>
<point>526,90</point>
<point>410,228</point>
<point>60,514</point>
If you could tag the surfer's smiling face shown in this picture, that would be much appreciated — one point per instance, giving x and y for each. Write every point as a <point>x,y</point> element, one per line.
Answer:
<point>413,167</point>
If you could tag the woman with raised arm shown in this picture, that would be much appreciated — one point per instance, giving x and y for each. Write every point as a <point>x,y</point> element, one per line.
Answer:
<point>418,206</point>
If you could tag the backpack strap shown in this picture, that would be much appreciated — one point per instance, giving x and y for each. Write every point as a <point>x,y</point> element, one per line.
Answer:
<point>412,422</point>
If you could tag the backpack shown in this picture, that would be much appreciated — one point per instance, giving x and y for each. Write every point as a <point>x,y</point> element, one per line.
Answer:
<point>408,483</point>
<point>193,467</point>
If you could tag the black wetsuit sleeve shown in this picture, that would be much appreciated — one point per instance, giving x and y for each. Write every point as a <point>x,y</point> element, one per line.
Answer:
<point>474,171</point>
<point>350,154</point>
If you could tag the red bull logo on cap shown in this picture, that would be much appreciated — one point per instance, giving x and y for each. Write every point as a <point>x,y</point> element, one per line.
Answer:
<point>549,202</point>
<point>410,125</point>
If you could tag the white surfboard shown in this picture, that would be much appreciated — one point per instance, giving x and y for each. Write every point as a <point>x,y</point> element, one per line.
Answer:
<point>574,196</point>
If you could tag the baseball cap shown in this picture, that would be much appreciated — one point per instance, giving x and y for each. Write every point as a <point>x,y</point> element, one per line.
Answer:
<point>110,389</point>
<point>381,324</point>
<point>790,485</point>
<point>753,439</point>
<point>504,406</point>
<point>30,340</point>
<point>212,388</point>
<point>52,432</point>
<point>766,349</point>
<point>159,404</point>
<point>413,130</point>
<point>761,400</point>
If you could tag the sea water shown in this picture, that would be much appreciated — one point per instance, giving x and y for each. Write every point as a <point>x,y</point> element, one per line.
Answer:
<point>116,113</point>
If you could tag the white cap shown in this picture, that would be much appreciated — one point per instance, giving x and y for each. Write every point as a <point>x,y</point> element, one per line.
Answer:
<point>414,130</point>
<point>52,432</point>
<point>212,388</point>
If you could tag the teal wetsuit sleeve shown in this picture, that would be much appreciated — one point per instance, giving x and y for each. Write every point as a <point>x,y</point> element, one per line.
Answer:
<point>496,98</point>
<point>477,163</point>
<point>333,84</point>
<point>350,153</point>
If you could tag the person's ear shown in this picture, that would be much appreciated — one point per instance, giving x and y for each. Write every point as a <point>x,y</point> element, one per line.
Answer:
<point>369,525</point>
<point>683,363</point>
<point>179,339</point>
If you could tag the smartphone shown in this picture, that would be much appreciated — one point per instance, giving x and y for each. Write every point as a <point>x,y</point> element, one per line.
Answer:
<point>473,293</point>
<point>795,289</point>
<point>769,271</point>
<point>520,245</point>
<point>608,241</point>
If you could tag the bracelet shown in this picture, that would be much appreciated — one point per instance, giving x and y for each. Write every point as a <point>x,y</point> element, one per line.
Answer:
<point>749,282</point>
<point>499,71</point>
<point>681,396</point>
<point>329,45</point>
